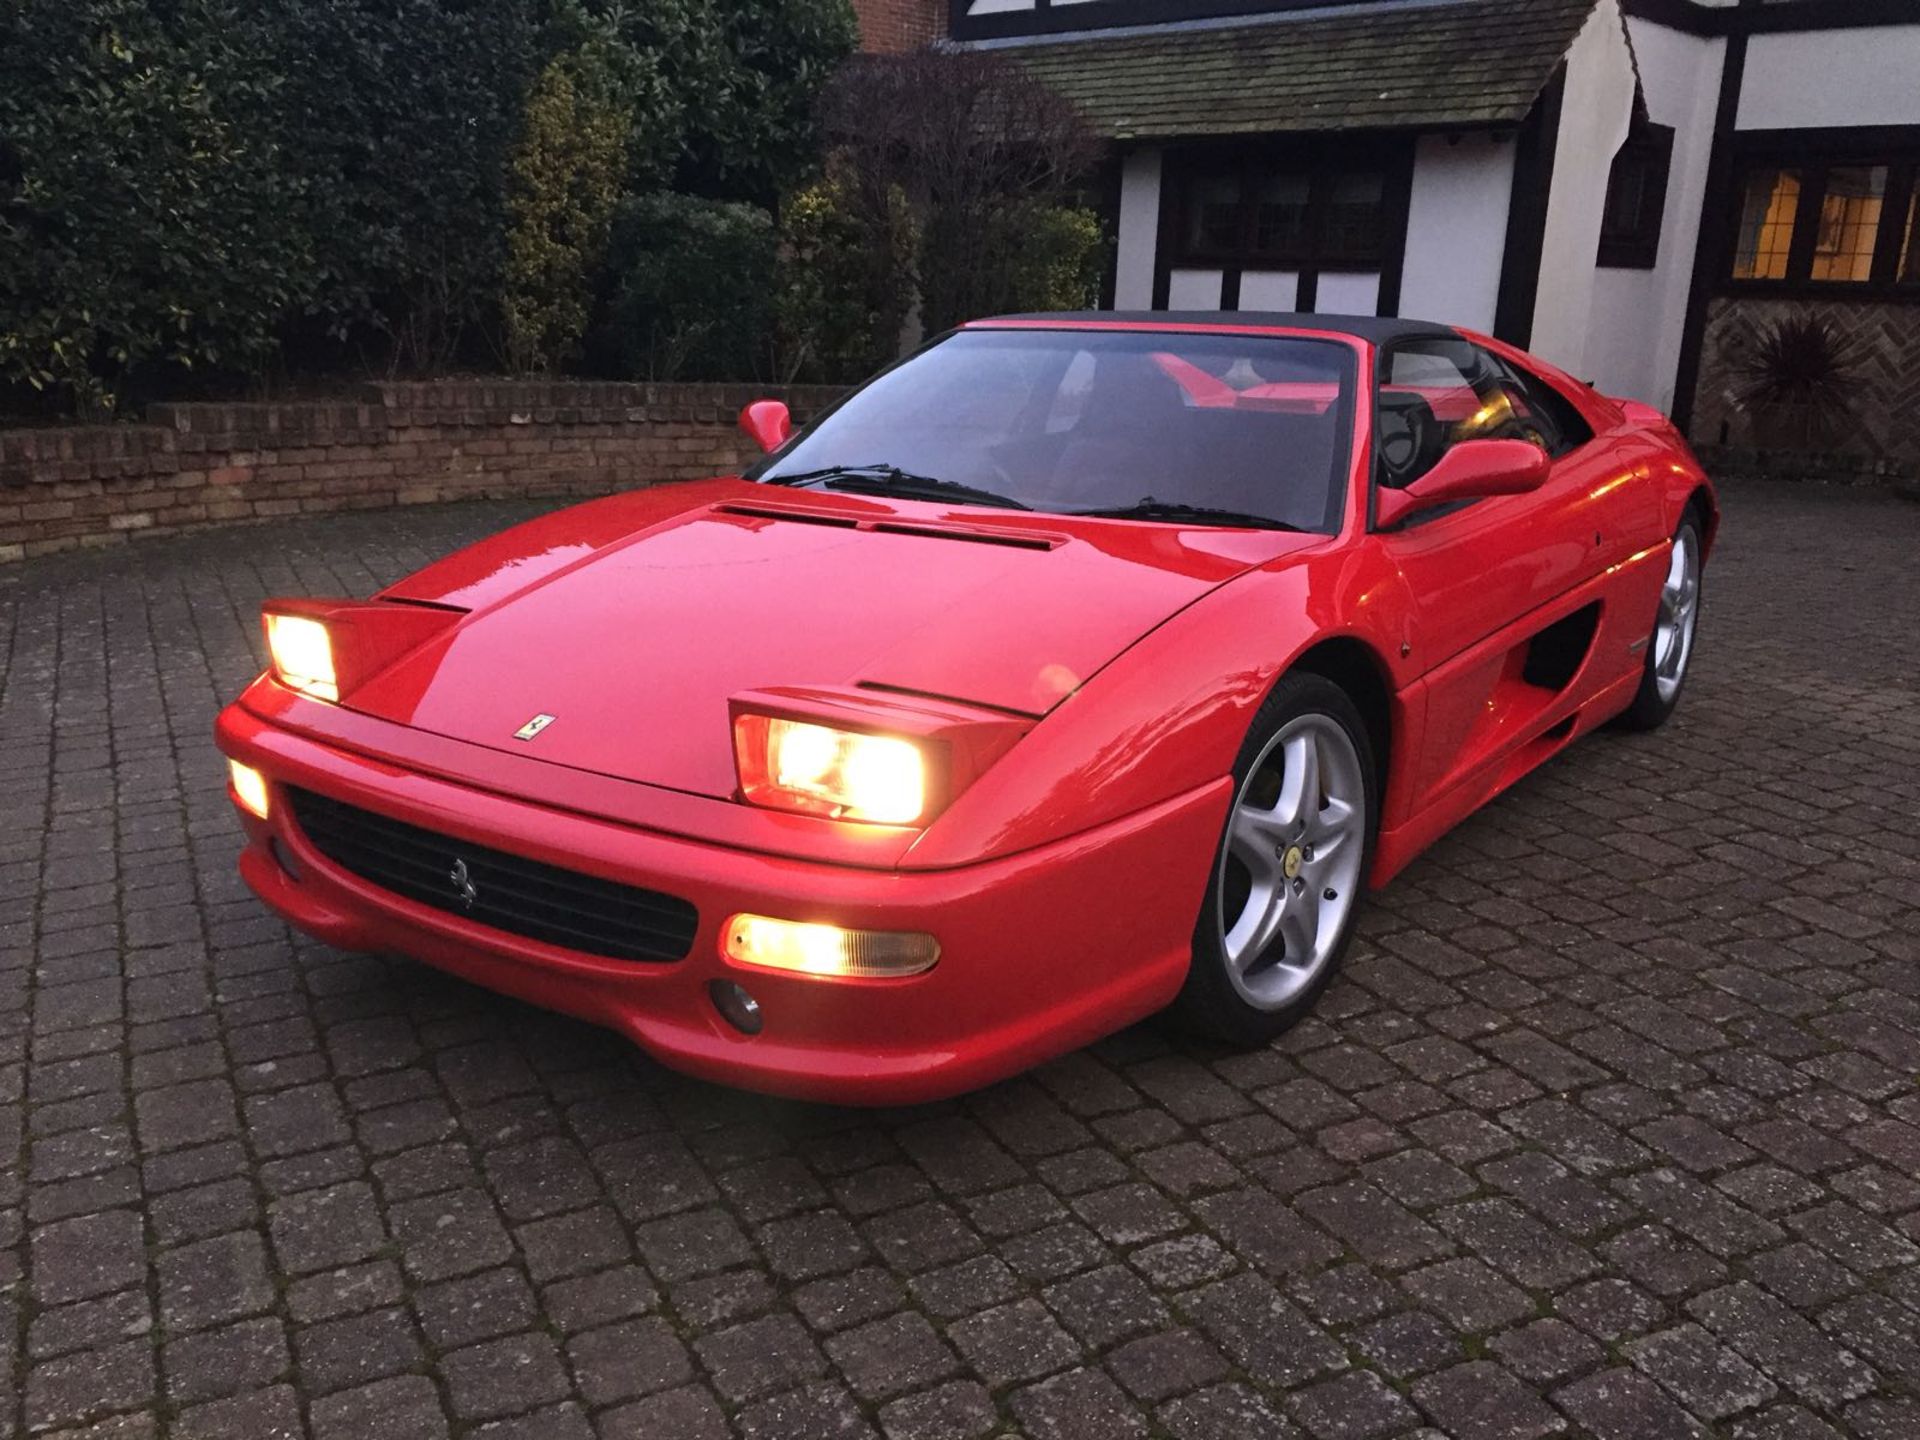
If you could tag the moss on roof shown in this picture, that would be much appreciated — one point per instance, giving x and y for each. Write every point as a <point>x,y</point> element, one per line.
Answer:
<point>1471,63</point>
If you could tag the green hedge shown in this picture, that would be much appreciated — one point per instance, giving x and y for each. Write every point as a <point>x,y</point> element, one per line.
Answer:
<point>217,194</point>
<point>249,186</point>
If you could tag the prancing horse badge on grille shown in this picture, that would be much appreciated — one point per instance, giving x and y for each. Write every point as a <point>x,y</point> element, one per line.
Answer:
<point>462,883</point>
<point>533,727</point>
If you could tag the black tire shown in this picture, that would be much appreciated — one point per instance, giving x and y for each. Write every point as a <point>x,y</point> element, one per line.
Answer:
<point>1211,1002</point>
<point>1654,702</point>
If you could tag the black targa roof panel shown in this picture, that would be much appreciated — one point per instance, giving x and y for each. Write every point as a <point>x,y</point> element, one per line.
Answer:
<point>1376,329</point>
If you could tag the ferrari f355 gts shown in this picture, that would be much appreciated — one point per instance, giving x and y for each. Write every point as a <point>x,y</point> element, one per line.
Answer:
<point>1076,667</point>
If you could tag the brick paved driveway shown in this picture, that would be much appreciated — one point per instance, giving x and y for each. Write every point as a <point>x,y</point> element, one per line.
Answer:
<point>1611,1128</point>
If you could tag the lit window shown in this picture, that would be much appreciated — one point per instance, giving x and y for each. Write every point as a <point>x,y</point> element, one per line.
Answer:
<point>1766,225</point>
<point>1849,223</point>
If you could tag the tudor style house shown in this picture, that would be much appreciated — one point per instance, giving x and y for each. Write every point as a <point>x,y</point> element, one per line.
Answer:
<point>1632,188</point>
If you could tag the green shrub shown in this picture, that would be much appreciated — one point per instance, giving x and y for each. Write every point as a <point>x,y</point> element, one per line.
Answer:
<point>1057,261</point>
<point>691,285</point>
<point>847,286</point>
<point>564,182</point>
<point>146,214</point>
<point>231,187</point>
<point>1024,254</point>
<point>402,116</point>
<point>750,127</point>
<point>991,158</point>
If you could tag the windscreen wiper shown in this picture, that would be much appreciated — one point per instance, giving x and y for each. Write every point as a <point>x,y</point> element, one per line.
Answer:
<point>1174,510</point>
<point>892,480</point>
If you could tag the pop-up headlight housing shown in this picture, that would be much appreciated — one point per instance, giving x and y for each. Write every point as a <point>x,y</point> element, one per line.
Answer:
<point>302,655</point>
<point>872,756</point>
<point>325,648</point>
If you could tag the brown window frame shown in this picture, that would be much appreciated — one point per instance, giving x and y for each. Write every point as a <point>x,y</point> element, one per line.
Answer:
<point>1815,155</point>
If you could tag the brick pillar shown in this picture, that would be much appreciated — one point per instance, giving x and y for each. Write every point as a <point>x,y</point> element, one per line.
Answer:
<point>892,25</point>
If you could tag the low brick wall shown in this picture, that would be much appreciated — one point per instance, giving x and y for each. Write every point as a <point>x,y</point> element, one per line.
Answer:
<point>398,444</point>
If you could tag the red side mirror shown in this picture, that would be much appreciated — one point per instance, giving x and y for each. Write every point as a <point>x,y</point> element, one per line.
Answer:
<point>1471,470</point>
<point>768,422</point>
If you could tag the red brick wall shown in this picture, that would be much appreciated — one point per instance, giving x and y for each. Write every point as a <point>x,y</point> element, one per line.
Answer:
<point>887,25</point>
<point>404,444</point>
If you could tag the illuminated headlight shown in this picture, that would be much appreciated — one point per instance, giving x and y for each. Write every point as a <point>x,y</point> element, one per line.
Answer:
<point>847,774</point>
<point>828,950</point>
<point>249,788</point>
<point>302,655</point>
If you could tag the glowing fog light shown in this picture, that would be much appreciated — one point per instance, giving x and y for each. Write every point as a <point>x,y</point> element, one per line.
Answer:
<point>848,774</point>
<point>302,655</point>
<point>828,950</point>
<point>249,788</point>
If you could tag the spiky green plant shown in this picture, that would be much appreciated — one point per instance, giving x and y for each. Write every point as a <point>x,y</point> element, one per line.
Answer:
<point>1798,377</point>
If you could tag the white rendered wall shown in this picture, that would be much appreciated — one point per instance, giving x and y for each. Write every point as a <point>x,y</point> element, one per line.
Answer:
<point>1346,292</point>
<point>1139,231</point>
<point>1864,76</point>
<point>1194,289</point>
<point>1634,328</point>
<point>1594,117</point>
<point>1456,230</point>
<point>1270,290</point>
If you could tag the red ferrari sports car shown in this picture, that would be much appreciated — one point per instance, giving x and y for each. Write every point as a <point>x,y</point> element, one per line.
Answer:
<point>1075,667</point>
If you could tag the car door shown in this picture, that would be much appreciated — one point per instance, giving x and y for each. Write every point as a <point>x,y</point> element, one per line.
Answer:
<point>1488,577</point>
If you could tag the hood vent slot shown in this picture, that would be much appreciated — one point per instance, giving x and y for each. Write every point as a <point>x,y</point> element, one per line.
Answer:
<point>1012,539</point>
<point>797,517</point>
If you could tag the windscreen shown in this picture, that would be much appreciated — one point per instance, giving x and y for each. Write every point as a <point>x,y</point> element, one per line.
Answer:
<point>1200,428</point>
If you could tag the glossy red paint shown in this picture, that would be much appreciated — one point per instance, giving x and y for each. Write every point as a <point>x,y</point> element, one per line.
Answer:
<point>768,422</point>
<point>1473,470</point>
<point>869,592</point>
<point>1095,679</point>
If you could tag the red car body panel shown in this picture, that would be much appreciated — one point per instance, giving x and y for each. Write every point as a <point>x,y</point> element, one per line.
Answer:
<point>1113,666</point>
<point>877,1041</point>
<point>641,690</point>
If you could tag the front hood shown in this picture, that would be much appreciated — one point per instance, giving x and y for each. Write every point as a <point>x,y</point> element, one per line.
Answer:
<point>634,641</point>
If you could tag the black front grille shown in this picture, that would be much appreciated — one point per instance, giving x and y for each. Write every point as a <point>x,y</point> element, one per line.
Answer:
<point>508,892</point>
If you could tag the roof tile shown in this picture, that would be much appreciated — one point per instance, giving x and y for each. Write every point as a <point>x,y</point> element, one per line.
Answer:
<point>1478,62</point>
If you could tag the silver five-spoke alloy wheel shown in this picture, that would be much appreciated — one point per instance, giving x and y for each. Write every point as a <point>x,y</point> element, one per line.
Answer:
<point>1679,609</point>
<point>1290,871</point>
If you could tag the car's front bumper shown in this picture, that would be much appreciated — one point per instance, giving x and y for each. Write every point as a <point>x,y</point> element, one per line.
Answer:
<point>1040,951</point>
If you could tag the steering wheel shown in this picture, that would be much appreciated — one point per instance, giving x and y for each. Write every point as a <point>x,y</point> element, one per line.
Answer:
<point>1402,439</point>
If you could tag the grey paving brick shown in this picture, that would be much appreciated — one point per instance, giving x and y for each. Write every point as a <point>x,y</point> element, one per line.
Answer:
<point>238,1357</point>
<point>761,1355</point>
<point>503,1377</point>
<point>1483,1401</point>
<point>1009,1343</point>
<point>269,1414</point>
<point>404,1408</point>
<point>689,1413</point>
<point>354,1349</point>
<point>960,1410</point>
<point>625,1360</point>
<point>213,1281</point>
<point>325,1229</point>
<point>88,1255</point>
